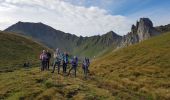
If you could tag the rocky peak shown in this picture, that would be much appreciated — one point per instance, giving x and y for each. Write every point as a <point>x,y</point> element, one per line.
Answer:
<point>110,38</point>
<point>111,34</point>
<point>143,30</point>
<point>133,29</point>
<point>145,22</point>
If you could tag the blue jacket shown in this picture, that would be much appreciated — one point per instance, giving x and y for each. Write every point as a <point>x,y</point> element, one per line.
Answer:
<point>65,58</point>
<point>74,61</point>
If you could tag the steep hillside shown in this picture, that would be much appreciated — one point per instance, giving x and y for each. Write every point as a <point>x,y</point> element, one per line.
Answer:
<point>95,45</point>
<point>57,39</point>
<point>16,49</point>
<point>18,83</point>
<point>139,71</point>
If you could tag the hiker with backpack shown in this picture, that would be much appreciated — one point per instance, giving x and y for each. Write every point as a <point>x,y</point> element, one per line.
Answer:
<point>57,60</point>
<point>65,62</point>
<point>43,59</point>
<point>85,67</point>
<point>74,64</point>
<point>48,59</point>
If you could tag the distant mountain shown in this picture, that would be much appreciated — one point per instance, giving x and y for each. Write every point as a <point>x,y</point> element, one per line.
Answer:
<point>89,46</point>
<point>143,30</point>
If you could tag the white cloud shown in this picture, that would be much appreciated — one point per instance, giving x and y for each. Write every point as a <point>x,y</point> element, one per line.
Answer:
<point>62,16</point>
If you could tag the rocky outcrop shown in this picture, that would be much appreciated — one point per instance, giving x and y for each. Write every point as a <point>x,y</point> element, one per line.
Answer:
<point>141,31</point>
<point>163,28</point>
<point>145,29</point>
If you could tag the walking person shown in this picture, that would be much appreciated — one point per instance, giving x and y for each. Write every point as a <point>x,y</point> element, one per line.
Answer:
<point>43,59</point>
<point>65,62</point>
<point>85,67</point>
<point>57,60</point>
<point>88,64</point>
<point>48,59</point>
<point>74,64</point>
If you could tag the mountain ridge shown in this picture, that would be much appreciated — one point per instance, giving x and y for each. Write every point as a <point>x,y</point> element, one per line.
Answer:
<point>67,42</point>
<point>79,45</point>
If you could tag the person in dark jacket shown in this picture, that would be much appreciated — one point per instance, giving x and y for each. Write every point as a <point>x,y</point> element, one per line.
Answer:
<point>88,64</point>
<point>48,59</point>
<point>65,62</point>
<point>57,60</point>
<point>74,64</point>
<point>85,67</point>
<point>43,58</point>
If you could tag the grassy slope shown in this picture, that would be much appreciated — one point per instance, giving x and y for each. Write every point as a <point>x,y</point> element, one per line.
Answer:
<point>139,71</point>
<point>15,50</point>
<point>30,83</point>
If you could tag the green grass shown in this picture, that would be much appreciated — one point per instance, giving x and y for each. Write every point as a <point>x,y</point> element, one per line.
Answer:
<point>138,71</point>
<point>30,83</point>
<point>16,49</point>
<point>34,84</point>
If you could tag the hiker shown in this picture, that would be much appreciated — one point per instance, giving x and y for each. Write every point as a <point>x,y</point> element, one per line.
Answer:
<point>85,67</point>
<point>65,62</point>
<point>74,64</point>
<point>43,58</point>
<point>88,64</point>
<point>57,60</point>
<point>48,59</point>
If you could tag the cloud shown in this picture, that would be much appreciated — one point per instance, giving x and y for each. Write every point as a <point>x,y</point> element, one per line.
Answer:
<point>64,16</point>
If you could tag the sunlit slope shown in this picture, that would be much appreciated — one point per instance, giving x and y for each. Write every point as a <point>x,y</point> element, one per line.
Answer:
<point>155,51</point>
<point>141,70</point>
<point>16,49</point>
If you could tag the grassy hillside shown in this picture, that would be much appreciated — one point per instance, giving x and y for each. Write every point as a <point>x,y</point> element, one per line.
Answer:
<point>141,71</point>
<point>96,45</point>
<point>16,49</point>
<point>32,84</point>
<point>138,72</point>
<point>18,83</point>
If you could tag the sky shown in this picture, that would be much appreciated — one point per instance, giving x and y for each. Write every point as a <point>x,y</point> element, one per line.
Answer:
<point>85,17</point>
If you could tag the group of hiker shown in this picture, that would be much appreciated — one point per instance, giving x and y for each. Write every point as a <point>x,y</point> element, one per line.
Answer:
<point>62,59</point>
<point>45,57</point>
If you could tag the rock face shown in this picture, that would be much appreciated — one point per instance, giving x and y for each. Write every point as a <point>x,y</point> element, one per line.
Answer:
<point>141,31</point>
<point>145,29</point>
<point>163,29</point>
